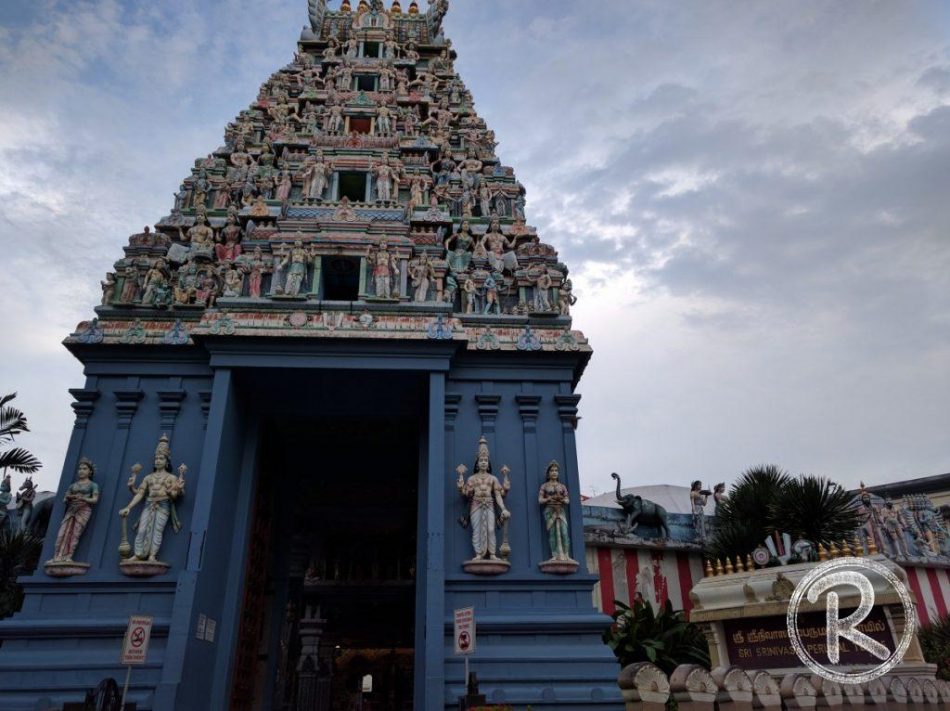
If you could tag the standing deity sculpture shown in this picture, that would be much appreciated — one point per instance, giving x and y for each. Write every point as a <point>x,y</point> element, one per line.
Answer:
<point>417,194</point>
<point>490,296</point>
<point>156,285</point>
<point>130,287</point>
<point>158,490</point>
<point>81,496</point>
<point>499,248</point>
<point>555,498</point>
<point>566,298</point>
<point>383,126</point>
<point>485,493</point>
<point>719,496</point>
<point>285,184</point>
<point>422,273</point>
<point>542,290</point>
<point>256,268</point>
<point>25,497</point>
<point>108,289</point>
<point>893,529</point>
<point>230,249</point>
<point>697,500</point>
<point>296,262</point>
<point>316,177</point>
<point>387,180</point>
<point>470,292</point>
<point>384,269</point>
<point>277,269</point>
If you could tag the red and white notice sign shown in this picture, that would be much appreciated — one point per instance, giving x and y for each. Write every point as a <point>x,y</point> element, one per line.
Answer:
<point>137,636</point>
<point>465,631</point>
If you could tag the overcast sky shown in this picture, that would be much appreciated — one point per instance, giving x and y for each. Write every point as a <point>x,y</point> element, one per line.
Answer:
<point>754,199</point>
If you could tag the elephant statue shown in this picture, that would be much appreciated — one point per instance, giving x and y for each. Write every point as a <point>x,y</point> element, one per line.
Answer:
<point>636,511</point>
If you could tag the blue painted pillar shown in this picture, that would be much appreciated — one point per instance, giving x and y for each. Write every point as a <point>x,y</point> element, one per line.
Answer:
<point>433,696</point>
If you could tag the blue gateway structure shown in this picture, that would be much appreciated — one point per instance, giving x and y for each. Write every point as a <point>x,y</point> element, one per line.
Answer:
<point>322,405</point>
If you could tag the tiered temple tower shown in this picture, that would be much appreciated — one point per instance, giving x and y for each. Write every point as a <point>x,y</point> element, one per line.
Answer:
<point>363,354</point>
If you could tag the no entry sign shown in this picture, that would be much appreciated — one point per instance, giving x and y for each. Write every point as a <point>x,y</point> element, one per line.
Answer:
<point>465,631</point>
<point>137,636</point>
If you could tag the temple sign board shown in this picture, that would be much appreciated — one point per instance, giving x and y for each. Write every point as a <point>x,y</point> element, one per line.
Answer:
<point>135,644</point>
<point>465,631</point>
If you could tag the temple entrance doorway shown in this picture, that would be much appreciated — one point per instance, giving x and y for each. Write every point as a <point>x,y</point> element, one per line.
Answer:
<point>328,620</point>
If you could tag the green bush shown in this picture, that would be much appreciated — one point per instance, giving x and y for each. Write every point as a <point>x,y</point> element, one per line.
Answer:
<point>935,643</point>
<point>665,639</point>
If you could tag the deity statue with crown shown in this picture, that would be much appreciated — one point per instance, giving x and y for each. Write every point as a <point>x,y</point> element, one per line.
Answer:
<point>555,498</point>
<point>159,490</point>
<point>81,496</point>
<point>486,492</point>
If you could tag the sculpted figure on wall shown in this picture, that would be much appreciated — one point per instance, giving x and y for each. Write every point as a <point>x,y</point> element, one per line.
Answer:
<point>159,490</point>
<point>554,498</point>
<point>81,496</point>
<point>485,492</point>
<point>384,269</point>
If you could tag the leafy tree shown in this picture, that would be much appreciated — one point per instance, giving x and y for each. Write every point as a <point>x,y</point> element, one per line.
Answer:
<point>664,638</point>
<point>19,554</point>
<point>767,499</point>
<point>12,423</point>
<point>935,643</point>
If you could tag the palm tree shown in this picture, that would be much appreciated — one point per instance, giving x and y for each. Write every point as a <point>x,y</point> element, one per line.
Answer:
<point>12,423</point>
<point>19,554</point>
<point>767,499</point>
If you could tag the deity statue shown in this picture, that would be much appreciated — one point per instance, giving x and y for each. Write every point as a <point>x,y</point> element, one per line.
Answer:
<point>25,497</point>
<point>277,280</point>
<point>108,289</point>
<point>719,495</point>
<point>384,268</point>
<point>297,260</point>
<point>200,236</point>
<point>387,180</point>
<point>411,53</point>
<point>893,529</point>
<point>697,499</point>
<point>230,250</point>
<point>156,285</point>
<point>159,490</point>
<point>485,493</point>
<point>285,184</point>
<point>554,497</point>
<point>130,287</point>
<point>333,47</point>
<point>390,47</point>
<point>496,244</point>
<point>333,119</point>
<point>460,257</point>
<point>542,290</point>
<point>187,281</point>
<point>233,284</point>
<point>566,298</point>
<point>81,496</point>
<point>470,293</point>
<point>256,269</point>
<point>422,274</point>
<point>202,188</point>
<point>490,296</point>
<point>417,194</point>
<point>383,126</point>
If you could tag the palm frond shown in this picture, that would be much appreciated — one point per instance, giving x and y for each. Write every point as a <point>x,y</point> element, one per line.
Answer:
<point>19,460</point>
<point>816,509</point>
<point>12,423</point>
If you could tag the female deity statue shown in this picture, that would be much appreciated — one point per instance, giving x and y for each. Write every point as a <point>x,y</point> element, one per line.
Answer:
<point>108,289</point>
<point>566,298</point>
<point>485,492</point>
<point>542,290</point>
<point>81,496</point>
<point>461,256</point>
<point>422,274</point>
<point>316,176</point>
<point>130,288</point>
<point>719,495</point>
<point>387,180</point>
<point>384,269</point>
<point>697,498</point>
<point>256,268</point>
<point>159,490</point>
<point>554,497</point>
<point>296,260</point>
<point>285,185</point>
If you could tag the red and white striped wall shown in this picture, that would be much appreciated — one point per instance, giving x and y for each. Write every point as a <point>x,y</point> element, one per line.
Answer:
<point>931,587</point>
<point>656,575</point>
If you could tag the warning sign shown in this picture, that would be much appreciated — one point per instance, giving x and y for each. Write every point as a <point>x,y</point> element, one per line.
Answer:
<point>465,631</point>
<point>135,644</point>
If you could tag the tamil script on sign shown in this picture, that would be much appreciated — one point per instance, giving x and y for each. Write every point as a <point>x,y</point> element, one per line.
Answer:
<point>761,643</point>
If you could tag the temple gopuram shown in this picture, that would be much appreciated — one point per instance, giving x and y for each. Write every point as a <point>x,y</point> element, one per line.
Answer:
<point>329,399</point>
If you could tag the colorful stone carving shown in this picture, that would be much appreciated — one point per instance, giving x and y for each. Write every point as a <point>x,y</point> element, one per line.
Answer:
<point>555,498</point>
<point>159,490</point>
<point>81,497</point>
<point>485,492</point>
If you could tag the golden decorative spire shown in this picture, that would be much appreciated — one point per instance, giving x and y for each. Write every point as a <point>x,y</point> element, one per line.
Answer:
<point>345,7</point>
<point>719,568</point>
<point>396,9</point>
<point>857,547</point>
<point>708,570</point>
<point>749,563</point>
<point>729,568</point>
<point>822,553</point>
<point>739,566</point>
<point>413,8</point>
<point>872,546</point>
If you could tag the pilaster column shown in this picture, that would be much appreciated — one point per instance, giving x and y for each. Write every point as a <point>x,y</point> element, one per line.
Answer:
<point>567,411</point>
<point>433,695</point>
<point>85,402</point>
<point>452,402</point>
<point>528,407</point>
<point>126,405</point>
<point>169,405</point>
<point>205,396</point>
<point>488,406</point>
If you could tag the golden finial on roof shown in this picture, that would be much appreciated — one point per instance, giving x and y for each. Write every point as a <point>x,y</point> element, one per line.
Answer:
<point>857,547</point>
<point>729,568</point>
<point>833,550</point>
<point>749,563</point>
<point>872,546</point>
<point>822,553</point>
<point>396,9</point>
<point>719,569</point>
<point>413,8</point>
<point>708,570</point>
<point>345,7</point>
<point>739,567</point>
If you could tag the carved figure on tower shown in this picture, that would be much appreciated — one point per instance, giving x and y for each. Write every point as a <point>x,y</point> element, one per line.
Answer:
<point>486,495</point>
<point>81,496</point>
<point>158,490</point>
<point>555,498</point>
